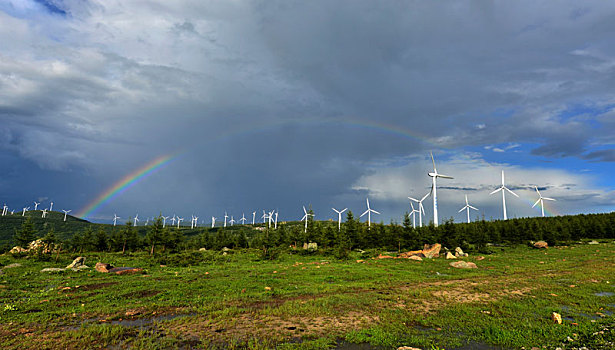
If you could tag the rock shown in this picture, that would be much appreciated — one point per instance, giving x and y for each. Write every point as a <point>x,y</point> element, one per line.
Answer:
<point>202,249</point>
<point>459,252</point>
<point>267,288</point>
<point>415,258</point>
<point>53,269</point>
<point>125,270</point>
<point>418,253</point>
<point>225,249</point>
<point>103,267</point>
<point>432,251</point>
<point>76,263</point>
<point>541,245</point>
<point>407,348</point>
<point>463,265</point>
<point>130,313</point>
<point>450,256</point>
<point>479,258</point>
<point>556,318</point>
<point>380,256</point>
<point>17,250</point>
<point>312,246</point>
<point>10,266</point>
<point>593,242</point>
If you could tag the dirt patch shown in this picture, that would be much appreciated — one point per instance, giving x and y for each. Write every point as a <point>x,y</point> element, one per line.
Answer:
<point>141,294</point>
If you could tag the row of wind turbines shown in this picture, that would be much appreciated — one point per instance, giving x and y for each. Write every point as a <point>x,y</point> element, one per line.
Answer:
<point>44,212</point>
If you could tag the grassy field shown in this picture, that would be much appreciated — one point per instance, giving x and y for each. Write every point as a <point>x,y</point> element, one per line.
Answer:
<point>304,301</point>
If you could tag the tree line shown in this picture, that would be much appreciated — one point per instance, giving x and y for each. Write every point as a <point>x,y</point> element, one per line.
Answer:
<point>353,235</point>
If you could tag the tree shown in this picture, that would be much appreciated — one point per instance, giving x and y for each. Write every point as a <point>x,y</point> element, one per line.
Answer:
<point>26,233</point>
<point>156,234</point>
<point>101,242</point>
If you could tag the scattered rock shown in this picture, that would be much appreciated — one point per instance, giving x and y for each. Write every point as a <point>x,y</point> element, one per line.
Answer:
<point>432,251</point>
<point>53,269</point>
<point>417,253</point>
<point>17,250</point>
<point>593,242</point>
<point>459,253</point>
<point>360,261</point>
<point>541,245</point>
<point>463,265</point>
<point>415,258</point>
<point>450,256</point>
<point>131,313</point>
<point>380,256</point>
<point>479,258</point>
<point>225,249</point>
<point>556,318</point>
<point>407,348</point>
<point>103,267</point>
<point>125,270</point>
<point>267,288</point>
<point>79,261</point>
<point>10,266</point>
<point>202,249</point>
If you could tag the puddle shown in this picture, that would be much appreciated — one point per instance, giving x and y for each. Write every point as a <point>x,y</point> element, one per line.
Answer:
<point>604,294</point>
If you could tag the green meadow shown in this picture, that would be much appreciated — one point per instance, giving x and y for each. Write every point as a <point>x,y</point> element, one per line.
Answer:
<point>311,300</point>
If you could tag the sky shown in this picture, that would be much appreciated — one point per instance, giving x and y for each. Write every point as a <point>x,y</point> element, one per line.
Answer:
<point>242,106</point>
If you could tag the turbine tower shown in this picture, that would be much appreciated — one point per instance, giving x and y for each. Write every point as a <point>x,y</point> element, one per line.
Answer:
<point>164,221</point>
<point>540,199</point>
<point>136,220</point>
<point>115,217</point>
<point>275,226</point>
<point>243,218</point>
<point>467,208</point>
<point>413,213</point>
<point>421,208</point>
<point>502,188</point>
<point>179,220</point>
<point>232,221</point>
<point>305,218</point>
<point>213,222</point>
<point>173,220</point>
<point>36,205</point>
<point>253,217</point>
<point>24,211</point>
<point>65,213</point>
<point>270,216</point>
<point>51,207</point>
<point>369,212</point>
<point>225,217</point>
<point>433,176</point>
<point>4,210</point>
<point>339,218</point>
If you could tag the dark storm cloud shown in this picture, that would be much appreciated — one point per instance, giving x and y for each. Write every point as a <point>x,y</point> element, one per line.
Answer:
<point>262,98</point>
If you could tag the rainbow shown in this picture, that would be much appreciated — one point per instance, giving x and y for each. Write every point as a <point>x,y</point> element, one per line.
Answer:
<point>125,183</point>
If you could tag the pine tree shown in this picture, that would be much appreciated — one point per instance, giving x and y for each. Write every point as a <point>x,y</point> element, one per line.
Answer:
<point>101,242</point>
<point>26,233</point>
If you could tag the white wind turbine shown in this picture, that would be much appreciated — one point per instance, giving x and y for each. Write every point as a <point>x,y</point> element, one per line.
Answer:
<point>173,220</point>
<point>433,176</point>
<point>192,222</point>
<point>502,188</point>
<point>275,226</point>
<point>51,207</point>
<point>146,221</point>
<point>369,212</point>
<point>413,213</point>
<point>179,220</point>
<point>44,215</point>
<point>65,213</point>
<point>467,208</point>
<point>36,205</point>
<point>232,221</point>
<point>115,217</point>
<point>24,211</point>
<point>136,220</point>
<point>339,218</point>
<point>225,217</point>
<point>243,218</point>
<point>164,221</point>
<point>213,222</point>
<point>305,218</point>
<point>540,199</point>
<point>270,216</point>
<point>421,209</point>
<point>4,210</point>
<point>253,217</point>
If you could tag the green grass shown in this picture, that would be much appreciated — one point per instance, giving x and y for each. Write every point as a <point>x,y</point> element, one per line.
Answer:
<point>312,301</point>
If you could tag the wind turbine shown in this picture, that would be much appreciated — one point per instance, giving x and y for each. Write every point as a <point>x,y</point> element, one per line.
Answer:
<point>369,212</point>
<point>51,207</point>
<point>270,216</point>
<point>540,199</point>
<point>435,175</point>
<point>253,217</point>
<point>36,205</point>
<point>179,220</point>
<point>24,211</point>
<point>164,221</point>
<point>115,217</point>
<point>467,208</point>
<point>225,217</point>
<point>4,210</point>
<point>66,212</point>
<point>502,188</point>
<point>136,219</point>
<point>264,216</point>
<point>146,221</point>
<point>213,222</point>
<point>192,222</point>
<point>413,213</point>
<point>305,218</point>
<point>44,215</point>
<point>243,218</point>
<point>421,208</point>
<point>339,218</point>
<point>232,221</point>
<point>275,226</point>
<point>173,220</point>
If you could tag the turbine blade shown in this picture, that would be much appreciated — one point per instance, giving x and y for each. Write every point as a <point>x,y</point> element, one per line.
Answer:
<point>412,199</point>
<point>548,199</point>
<point>305,211</point>
<point>471,207</point>
<point>498,190</point>
<point>538,201</point>
<point>433,162</point>
<point>460,210</point>
<point>373,211</point>
<point>536,187</point>
<point>344,210</point>
<point>511,192</point>
<point>502,177</point>
<point>422,208</point>
<point>445,176</point>
<point>364,213</point>
<point>427,195</point>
